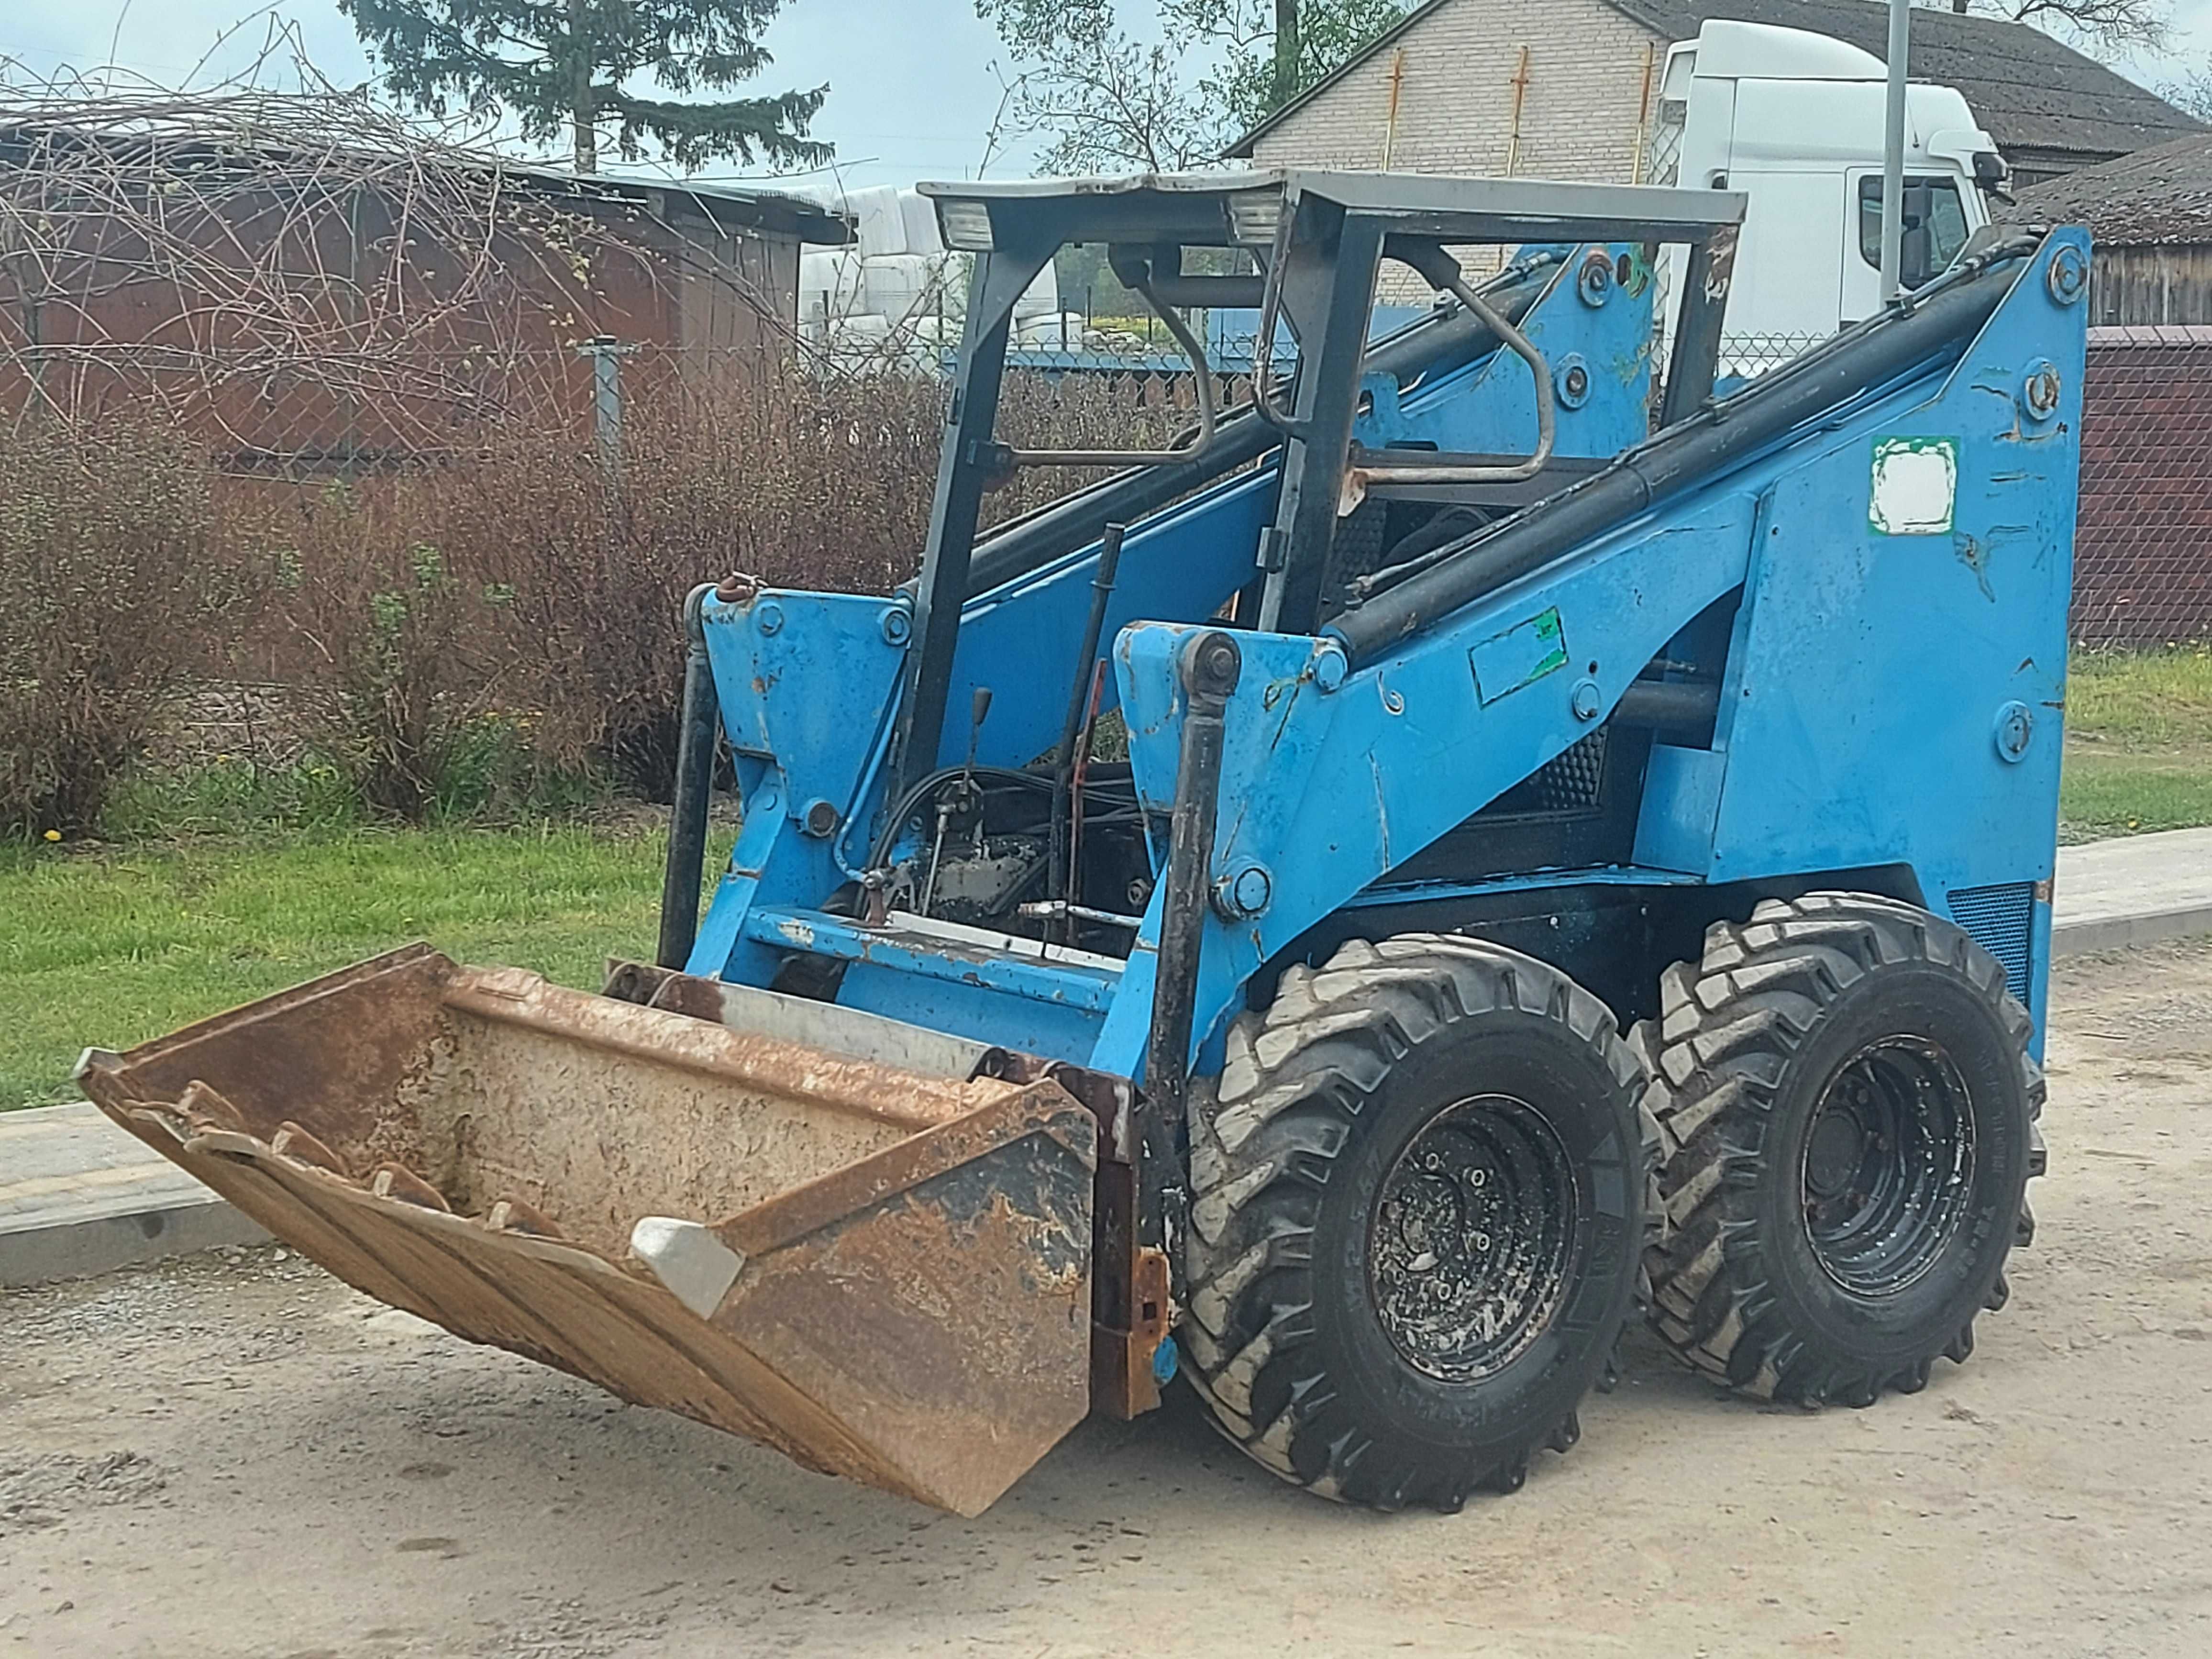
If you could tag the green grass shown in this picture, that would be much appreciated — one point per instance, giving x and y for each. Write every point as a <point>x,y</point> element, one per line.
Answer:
<point>2138,743</point>
<point>109,947</point>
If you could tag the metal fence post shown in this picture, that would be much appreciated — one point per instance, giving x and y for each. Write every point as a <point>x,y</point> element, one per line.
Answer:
<point>606,357</point>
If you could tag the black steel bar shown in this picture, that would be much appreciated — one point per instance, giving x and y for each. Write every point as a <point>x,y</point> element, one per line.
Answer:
<point>1671,707</point>
<point>697,721</point>
<point>1870,356</point>
<point>966,466</point>
<point>1060,875</point>
<point>1209,668</point>
<point>1328,286</point>
<point>1710,271</point>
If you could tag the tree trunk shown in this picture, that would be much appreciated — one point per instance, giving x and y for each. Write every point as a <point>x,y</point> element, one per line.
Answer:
<point>1285,86</point>
<point>584,110</point>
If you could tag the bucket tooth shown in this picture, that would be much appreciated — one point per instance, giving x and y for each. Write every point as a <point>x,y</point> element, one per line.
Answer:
<point>511,1215</point>
<point>863,1255</point>
<point>207,1112</point>
<point>296,1144</point>
<point>399,1183</point>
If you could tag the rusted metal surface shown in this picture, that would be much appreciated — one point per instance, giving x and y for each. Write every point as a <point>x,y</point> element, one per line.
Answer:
<point>1131,1287</point>
<point>908,1298</point>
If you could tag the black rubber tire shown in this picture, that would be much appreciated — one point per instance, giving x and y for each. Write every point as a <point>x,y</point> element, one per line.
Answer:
<point>1745,1050</point>
<point>1291,1150</point>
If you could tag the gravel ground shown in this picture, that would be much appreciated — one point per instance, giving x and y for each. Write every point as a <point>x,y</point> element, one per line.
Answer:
<point>239,1456</point>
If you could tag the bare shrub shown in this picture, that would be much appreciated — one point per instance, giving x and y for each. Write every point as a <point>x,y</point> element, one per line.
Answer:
<point>483,625</point>
<point>115,588</point>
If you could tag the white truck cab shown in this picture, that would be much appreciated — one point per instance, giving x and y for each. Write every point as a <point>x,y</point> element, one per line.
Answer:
<point>1795,120</point>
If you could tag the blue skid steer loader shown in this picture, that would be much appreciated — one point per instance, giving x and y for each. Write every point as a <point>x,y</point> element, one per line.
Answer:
<point>1489,691</point>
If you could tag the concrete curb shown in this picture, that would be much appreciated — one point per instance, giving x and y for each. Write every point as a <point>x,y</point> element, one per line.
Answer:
<point>83,1248</point>
<point>2126,933</point>
<point>79,1196</point>
<point>2132,890</point>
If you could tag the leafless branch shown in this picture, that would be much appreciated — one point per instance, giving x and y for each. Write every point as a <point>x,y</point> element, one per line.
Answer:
<point>211,251</point>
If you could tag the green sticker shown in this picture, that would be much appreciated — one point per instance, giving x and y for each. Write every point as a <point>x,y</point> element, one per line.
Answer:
<point>1520,656</point>
<point>1914,490</point>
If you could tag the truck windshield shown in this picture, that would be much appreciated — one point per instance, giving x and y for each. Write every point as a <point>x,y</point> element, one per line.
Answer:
<point>1935,226</point>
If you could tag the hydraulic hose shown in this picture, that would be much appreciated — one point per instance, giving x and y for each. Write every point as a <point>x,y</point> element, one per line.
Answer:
<point>697,723</point>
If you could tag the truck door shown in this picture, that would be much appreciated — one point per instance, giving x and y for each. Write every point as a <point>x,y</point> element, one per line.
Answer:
<point>1787,286</point>
<point>1936,223</point>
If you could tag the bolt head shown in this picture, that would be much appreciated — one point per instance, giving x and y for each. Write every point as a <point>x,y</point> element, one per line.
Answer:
<point>1586,701</point>
<point>2039,389</point>
<point>1244,892</point>
<point>1593,282</point>
<point>2068,276</point>
<point>1330,666</point>
<point>897,623</point>
<point>1571,381</point>
<point>769,618</point>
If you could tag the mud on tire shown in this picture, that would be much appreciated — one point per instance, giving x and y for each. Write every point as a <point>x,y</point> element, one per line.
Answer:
<point>1847,1111</point>
<point>1419,1199</point>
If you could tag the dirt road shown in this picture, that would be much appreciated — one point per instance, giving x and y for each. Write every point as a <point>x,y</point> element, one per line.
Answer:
<point>244,1458</point>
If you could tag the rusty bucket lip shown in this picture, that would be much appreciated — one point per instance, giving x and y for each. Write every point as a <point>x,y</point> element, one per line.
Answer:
<point>278,1002</point>
<point>520,996</point>
<point>606,1317</point>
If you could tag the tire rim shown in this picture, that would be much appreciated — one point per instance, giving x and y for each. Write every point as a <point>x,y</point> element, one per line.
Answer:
<point>1472,1239</point>
<point>1888,1171</point>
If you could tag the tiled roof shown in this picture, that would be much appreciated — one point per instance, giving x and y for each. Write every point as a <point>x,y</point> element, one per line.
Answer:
<point>2158,195</point>
<point>2028,90</point>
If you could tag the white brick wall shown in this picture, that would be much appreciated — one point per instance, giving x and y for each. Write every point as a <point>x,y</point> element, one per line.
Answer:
<point>1578,119</point>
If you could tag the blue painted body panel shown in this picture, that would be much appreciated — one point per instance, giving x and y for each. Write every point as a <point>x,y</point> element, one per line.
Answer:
<point>1868,679</point>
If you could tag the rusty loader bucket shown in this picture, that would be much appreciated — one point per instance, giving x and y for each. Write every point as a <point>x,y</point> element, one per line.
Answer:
<point>874,1262</point>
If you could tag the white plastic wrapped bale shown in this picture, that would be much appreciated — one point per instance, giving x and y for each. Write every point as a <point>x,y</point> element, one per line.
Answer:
<point>921,217</point>
<point>898,286</point>
<point>829,286</point>
<point>1057,331</point>
<point>1042,299</point>
<point>881,221</point>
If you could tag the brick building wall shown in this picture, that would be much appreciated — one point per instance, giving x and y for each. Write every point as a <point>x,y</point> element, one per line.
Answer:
<point>1586,107</point>
<point>1580,109</point>
<point>2142,554</point>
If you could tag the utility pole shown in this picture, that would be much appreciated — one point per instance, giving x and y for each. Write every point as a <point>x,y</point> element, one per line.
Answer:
<point>1287,52</point>
<point>1893,149</point>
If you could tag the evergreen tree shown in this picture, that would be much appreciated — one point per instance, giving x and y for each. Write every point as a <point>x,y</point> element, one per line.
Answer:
<point>563,66</point>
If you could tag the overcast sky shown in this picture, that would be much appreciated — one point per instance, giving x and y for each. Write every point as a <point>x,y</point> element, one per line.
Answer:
<point>912,90</point>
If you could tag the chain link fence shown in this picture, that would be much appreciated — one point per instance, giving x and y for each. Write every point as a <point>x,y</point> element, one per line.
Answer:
<point>2143,550</point>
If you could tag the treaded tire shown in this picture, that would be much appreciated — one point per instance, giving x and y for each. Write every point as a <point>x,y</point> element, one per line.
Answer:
<point>1750,1044</point>
<point>1296,1151</point>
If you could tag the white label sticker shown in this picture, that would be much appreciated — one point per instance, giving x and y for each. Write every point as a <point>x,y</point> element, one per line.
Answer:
<point>1916,486</point>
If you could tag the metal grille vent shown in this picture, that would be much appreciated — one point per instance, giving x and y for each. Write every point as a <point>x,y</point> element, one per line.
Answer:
<point>1574,782</point>
<point>2001,919</point>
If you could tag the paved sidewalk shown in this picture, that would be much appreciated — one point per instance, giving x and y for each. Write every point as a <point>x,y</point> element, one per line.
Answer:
<point>79,1196</point>
<point>2136,890</point>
